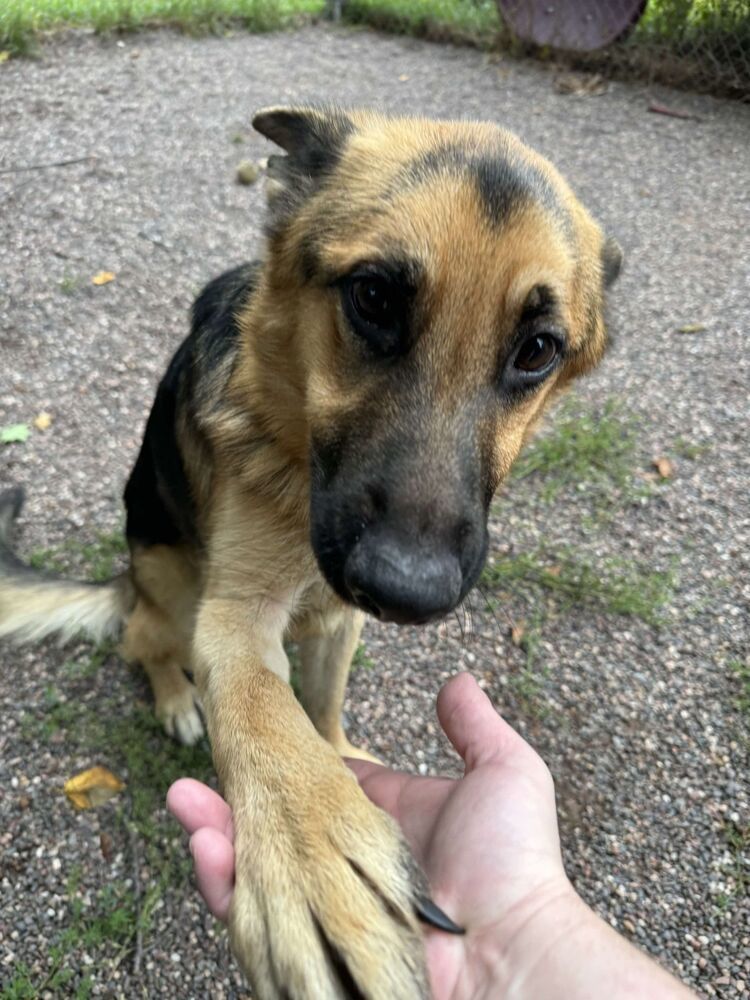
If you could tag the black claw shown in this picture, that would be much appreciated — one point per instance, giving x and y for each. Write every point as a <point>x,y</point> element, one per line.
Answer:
<point>431,914</point>
<point>13,499</point>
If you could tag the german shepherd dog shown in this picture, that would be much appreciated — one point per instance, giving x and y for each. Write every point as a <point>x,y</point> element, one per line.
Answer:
<point>326,444</point>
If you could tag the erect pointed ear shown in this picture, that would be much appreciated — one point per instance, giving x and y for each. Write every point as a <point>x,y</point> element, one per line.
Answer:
<point>314,139</point>
<point>612,258</point>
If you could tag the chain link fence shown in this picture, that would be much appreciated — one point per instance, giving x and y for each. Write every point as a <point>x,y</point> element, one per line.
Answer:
<point>696,44</point>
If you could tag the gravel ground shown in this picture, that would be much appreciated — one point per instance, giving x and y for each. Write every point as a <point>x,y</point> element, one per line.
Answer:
<point>642,726</point>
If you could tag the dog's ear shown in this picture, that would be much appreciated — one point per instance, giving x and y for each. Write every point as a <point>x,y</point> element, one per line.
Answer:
<point>314,139</point>
<point>612,258</point>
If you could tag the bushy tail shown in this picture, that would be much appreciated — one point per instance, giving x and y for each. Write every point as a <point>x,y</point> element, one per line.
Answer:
<point>34,606</point>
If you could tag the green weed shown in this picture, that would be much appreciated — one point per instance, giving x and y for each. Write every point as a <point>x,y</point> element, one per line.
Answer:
<point>69,283</point>
<point>741,669</point>
<point>594,452</point>
<point>88,665</point>
<point>22,20</point>
<point>134,747</point>
<point>361,659</point>
<point>738,841</point>
<point>690,449</point>
<point>552,583</point>
<point>475,20</point>
<point>98,558</point>
<point>614,585</point>
<point>528,683</point>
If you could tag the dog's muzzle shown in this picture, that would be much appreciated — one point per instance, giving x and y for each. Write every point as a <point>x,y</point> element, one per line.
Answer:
<point>397,580</point>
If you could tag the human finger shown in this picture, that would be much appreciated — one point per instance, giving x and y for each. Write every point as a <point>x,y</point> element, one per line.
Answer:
<point>195,805</point>
<point>471,723</point>
<point>213,856</point>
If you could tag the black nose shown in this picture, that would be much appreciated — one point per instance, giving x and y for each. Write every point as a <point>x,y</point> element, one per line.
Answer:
<point>399,581</point>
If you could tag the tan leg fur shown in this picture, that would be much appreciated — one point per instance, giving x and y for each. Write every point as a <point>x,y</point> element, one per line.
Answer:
<point>320,870</point>
<point>159,631</point>
<point>328,635</point>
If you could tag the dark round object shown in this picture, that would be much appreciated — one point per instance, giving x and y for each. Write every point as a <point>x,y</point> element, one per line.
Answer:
<point>577,25</point>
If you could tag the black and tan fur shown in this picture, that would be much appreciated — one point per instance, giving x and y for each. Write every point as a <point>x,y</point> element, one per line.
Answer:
<point>326,442</point>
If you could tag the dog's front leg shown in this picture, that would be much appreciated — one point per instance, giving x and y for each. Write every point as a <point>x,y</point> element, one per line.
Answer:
<point>325,887</point>
<point>327,636</point>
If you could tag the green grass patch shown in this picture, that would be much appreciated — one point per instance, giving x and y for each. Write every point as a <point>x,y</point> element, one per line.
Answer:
<point>21,21</point>
<point>550,584</point>
<point>679,21</point>
<point>528,683</point>
<point>691,450</point>
<point>738,841</point>
<point>98,558</point>
<point>107,922</point>
<point>476,20</point>
<point>741,670</point>
<point>69,283</point>
<point>593,452</point>
<point>361,659</point>
<point>618,586</point>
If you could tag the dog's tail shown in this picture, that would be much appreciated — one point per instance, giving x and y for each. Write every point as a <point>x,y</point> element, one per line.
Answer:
<point>34,605</point>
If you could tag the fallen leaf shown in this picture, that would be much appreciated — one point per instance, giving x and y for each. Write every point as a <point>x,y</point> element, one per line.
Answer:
<point>404,77</point>
<point>691,328</point>
<point>4,56</point>
<point>248,172</point>
<point>517,632</point>
<point>14,433</point>
<point>554,570</point>
<point>106,846</point>
<point>664,466</point>
<point>93,787</point>
<point>102,278</point>
<point>42,421</point>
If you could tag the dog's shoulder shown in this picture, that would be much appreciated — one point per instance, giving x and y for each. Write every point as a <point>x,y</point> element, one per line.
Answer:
<point>215,309</point>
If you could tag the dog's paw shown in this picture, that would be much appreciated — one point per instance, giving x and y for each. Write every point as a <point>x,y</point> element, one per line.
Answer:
<point>326,894</point>
<point>180,714</point>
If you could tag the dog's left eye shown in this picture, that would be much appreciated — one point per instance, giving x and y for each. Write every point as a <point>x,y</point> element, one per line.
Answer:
<point>374,301</point>
<point>537,353</point>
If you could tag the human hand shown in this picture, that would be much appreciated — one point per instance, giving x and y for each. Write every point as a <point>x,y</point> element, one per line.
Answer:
<point>489,845</point>
<point>488,842</point>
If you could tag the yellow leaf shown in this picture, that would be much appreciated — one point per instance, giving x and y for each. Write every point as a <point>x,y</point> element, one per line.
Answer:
<point>691,328</point>
<point>404,77</point>
<point>517,633</point>
<point>103,278</point>
<point>93,787</point>
<point>4,56</point>
<point>664,467</point>
<point>42,421</point>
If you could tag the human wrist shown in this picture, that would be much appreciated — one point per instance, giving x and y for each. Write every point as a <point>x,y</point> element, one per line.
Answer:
<point>524,945</point>
<point>555,946</point>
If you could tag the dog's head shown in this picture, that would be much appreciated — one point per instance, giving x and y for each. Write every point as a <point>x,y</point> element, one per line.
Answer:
<point>447,283</point>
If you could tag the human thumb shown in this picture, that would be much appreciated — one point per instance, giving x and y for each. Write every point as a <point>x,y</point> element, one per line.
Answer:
<point>472,725</point>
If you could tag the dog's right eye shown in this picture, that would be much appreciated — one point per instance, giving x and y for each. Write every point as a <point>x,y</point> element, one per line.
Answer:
<point>377,310</point>
<point>374,301</point>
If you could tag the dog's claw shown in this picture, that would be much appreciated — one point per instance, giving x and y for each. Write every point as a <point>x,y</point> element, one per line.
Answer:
<point>430,913</point>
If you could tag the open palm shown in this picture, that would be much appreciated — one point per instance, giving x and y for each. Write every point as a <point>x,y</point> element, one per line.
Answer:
<point>488,842</point>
